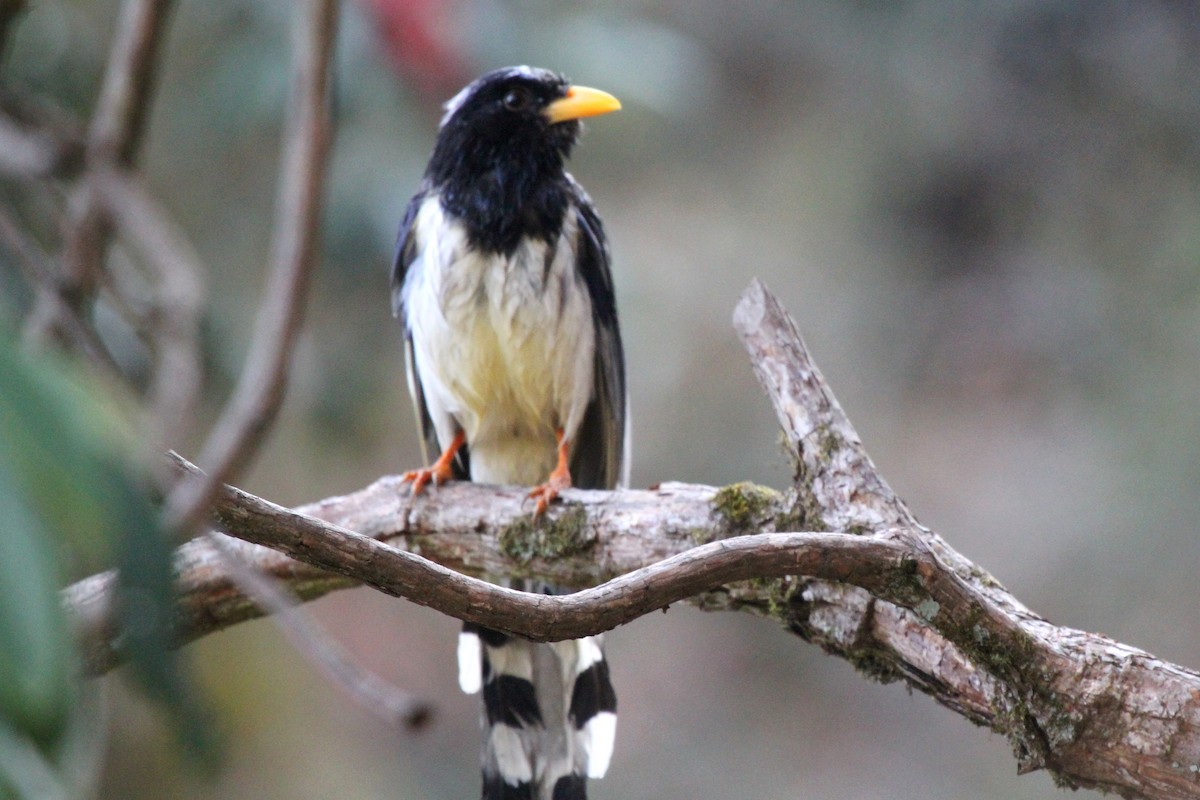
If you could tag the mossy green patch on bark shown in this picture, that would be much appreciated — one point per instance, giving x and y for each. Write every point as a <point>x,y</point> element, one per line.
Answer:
<point>550,537</point>
<point>775,596</point>
<point>1033,717</point>
<point>903,587</point>
<point>878,665</point>
<point>827,443</point>
<point>751,509</point>
<point>745,504</point>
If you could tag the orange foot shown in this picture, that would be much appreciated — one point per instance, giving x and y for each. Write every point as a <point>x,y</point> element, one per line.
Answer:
<point>560,478</point>
<point>440,472</point>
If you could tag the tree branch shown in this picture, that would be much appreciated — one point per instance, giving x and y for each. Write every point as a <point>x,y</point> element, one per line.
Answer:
<point>113,135</point>
<point>1096,713</point>
<point>31,150</point>
<point>171,315</point>
<point>886,594</point>
<point>40,274</point>
<point>259,393</point>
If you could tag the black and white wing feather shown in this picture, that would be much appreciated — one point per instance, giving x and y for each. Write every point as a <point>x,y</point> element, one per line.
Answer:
<point>408,249</point>
<point>600,459</point>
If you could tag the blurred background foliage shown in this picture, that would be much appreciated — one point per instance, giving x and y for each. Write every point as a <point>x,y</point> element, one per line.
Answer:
<point>985,218</point>
<point>74,502</point>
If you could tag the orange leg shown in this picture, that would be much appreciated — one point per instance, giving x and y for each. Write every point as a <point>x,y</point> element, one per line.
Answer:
<point>440,471</point>
<point>560,478</point>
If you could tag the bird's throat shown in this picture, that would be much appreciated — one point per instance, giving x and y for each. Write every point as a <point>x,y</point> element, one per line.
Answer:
<point>504,195</point>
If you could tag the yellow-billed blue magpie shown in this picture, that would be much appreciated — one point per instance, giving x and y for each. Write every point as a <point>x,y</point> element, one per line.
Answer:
<point>515,365</point>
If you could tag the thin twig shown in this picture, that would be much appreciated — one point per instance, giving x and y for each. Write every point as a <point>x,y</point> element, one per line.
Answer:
<point>260,389</point>
<point>40,274</point>
<point>394,706</point>
<point>113,138</point>
<point>41,144</point>
<point>176,304</point>
<point>169,319</point>
<point>124,103</point>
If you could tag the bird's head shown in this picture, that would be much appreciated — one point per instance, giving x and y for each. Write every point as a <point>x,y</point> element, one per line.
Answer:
<point>515,115</point>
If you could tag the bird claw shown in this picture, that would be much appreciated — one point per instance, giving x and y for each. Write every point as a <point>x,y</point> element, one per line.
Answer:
<point>441,471</point>
<point>421,478</point>
<point>547,493</point>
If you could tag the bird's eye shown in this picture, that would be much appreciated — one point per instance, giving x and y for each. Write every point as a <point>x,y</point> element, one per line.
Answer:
<point>518,99</point>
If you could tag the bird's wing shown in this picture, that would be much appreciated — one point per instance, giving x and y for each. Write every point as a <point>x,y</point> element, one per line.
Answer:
<point>408,248</point>
<point>600,444</point>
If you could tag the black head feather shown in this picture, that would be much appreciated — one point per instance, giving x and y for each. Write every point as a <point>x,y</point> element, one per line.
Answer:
<point>498,161</point>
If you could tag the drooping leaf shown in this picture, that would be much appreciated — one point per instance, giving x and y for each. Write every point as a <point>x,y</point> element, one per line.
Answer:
<point>146,608</point>
<point>36,667</point>
<point>67,478</point>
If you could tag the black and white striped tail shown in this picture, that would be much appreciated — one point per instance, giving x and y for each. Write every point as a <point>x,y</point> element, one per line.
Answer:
<point>549,713</point>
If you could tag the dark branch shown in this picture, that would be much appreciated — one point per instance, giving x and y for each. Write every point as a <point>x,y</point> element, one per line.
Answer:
<point>113,136</point>
<point>893,599</point>
<point>260,389</point>
<point>372,693</point>
<point>40,273</point>
<point>169,319</point>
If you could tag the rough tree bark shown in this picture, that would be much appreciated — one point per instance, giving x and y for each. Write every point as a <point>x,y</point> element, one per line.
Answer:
<point>866,582</point>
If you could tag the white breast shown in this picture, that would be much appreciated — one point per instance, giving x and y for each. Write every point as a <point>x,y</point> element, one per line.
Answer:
<point>503,346</point>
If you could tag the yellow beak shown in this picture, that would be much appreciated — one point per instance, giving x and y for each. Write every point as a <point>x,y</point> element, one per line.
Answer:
<point>580,102</point>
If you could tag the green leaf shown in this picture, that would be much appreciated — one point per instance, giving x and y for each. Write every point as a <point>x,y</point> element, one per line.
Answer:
<point>67,478</point>
<point>146,614</point>
<point>36,665</point>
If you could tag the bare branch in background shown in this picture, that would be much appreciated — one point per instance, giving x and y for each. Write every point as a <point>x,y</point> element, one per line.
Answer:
<point>35,151</point>
<point>171,320</point>
<point>167,311</point>
<point>124,104</point>
<point>113,137</point>
<point>373,694</point>
<point>39,139</point>
<point>259,393</point>
<point>164,306</point>
<point>41,275</point>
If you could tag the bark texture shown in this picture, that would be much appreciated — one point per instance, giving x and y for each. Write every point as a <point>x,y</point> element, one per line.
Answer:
<point>863,579</point>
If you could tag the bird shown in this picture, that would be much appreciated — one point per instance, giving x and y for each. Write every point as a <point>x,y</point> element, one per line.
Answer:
<point>503,286</point>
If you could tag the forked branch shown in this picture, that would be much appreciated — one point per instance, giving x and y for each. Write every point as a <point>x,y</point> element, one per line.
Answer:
<point>869,584</point>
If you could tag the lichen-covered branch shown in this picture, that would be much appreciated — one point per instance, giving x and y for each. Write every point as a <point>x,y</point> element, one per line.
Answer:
<point>871,586</point>
<point>1094,712</point>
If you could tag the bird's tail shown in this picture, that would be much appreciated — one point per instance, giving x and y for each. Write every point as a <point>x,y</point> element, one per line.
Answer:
<point>549,713</point>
